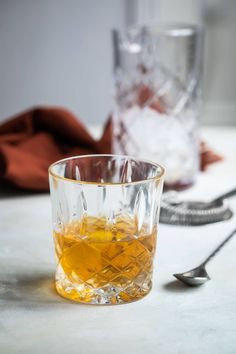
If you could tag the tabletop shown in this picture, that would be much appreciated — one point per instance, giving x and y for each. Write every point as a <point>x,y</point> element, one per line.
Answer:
<point>173,318</point>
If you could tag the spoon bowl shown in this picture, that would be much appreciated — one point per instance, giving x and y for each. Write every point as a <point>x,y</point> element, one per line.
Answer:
<point>193,277</point>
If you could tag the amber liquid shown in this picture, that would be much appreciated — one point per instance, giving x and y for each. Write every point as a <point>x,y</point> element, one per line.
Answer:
<point>104,263</point>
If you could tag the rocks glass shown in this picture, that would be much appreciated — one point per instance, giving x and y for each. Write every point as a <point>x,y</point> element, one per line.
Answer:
<point>105,218</point>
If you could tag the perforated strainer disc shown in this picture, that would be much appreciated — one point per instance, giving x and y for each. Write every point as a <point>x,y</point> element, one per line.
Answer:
<point>192,213</point>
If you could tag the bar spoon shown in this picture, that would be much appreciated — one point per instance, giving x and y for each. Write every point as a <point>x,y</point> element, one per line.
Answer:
<point>199,275</point>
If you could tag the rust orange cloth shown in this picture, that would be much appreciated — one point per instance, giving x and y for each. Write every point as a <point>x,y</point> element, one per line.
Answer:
<point>32,140</point>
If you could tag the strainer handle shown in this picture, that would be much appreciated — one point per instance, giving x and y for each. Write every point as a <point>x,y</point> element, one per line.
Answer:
<point>225,195</point>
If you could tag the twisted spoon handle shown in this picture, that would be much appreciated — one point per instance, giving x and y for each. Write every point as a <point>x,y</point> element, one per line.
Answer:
<point>219,247</point>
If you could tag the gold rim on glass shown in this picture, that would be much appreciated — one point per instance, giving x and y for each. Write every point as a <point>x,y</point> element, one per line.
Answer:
<point>53,174</point>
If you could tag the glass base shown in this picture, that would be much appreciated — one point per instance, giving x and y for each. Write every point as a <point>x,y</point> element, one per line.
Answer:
<point>109,294</point>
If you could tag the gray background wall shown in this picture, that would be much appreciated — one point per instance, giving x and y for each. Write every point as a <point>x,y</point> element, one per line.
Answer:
<point>58,52</point>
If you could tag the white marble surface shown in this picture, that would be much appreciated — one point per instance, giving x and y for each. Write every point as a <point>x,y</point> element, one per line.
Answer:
<point>171,319</point>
